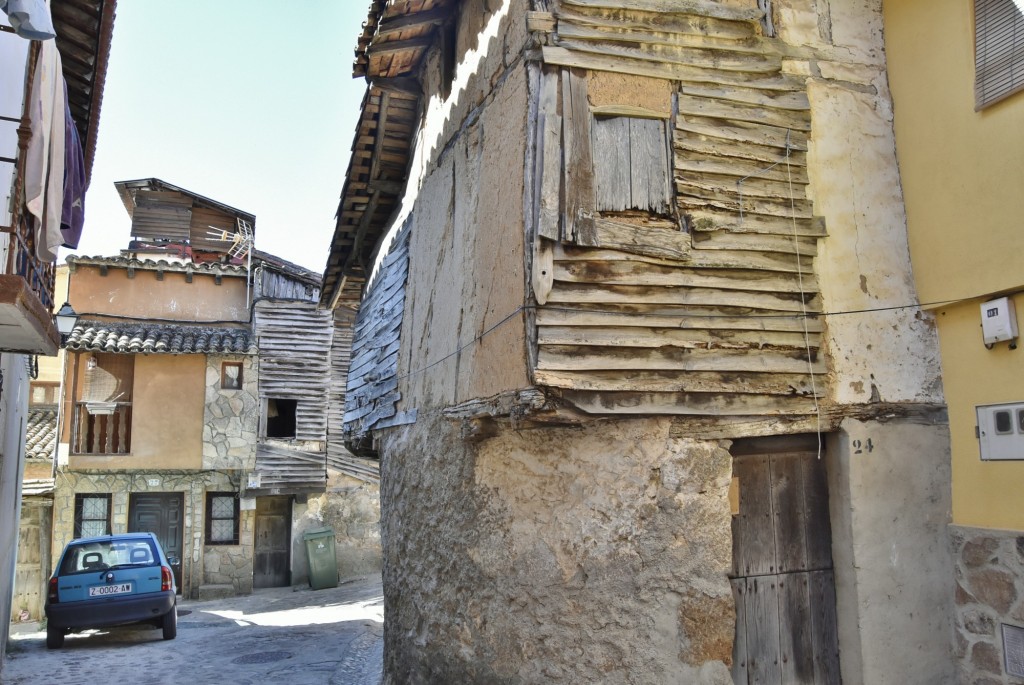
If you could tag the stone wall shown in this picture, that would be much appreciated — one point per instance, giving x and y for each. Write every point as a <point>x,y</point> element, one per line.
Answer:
<point>235,559</point>
<point>231,417</point>
<point>989,593</point>
<point>559,555</point>
<point>352,508</point>
<point>232,564</point>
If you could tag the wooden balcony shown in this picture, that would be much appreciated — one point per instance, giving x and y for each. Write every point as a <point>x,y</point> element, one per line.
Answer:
<point>26,298</point>
<point>102,428</point>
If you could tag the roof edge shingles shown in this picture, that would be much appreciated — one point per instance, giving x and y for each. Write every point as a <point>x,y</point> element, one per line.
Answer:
<point>148,337</point>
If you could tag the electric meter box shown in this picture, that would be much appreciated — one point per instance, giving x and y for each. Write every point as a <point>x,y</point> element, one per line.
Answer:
<point>1001,431</point>
<point>998,320</point>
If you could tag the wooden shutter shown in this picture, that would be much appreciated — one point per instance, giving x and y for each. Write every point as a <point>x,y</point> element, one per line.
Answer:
<point>631,164</point>
<point>998,51</point>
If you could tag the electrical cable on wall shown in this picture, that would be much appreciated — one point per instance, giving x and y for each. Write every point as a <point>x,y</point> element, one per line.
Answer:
<point>803,297</point>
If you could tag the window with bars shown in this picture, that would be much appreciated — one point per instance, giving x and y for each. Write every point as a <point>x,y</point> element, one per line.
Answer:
<point>221,518</point>
<point>92,515</point>
<point>998,50</point>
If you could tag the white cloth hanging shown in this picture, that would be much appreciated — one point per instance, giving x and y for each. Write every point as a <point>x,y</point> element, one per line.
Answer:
<point>30,19</point>
<point>44,161</point>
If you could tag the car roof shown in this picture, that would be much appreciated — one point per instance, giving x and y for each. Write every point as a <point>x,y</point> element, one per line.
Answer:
<point>117,536</point>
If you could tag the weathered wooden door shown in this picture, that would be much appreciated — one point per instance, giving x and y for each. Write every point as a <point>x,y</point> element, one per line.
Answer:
<point>161,513</point>
<point>782,572</point>
<point>272,558</point>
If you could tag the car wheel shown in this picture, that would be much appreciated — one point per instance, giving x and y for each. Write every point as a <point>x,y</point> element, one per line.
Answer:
<point>170,624</point>
<point>54,637</point>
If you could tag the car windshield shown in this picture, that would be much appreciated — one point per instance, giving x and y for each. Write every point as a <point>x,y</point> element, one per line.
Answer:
<point>100,556</point>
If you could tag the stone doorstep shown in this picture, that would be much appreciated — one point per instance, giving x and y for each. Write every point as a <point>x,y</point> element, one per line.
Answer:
<point>215,591</point>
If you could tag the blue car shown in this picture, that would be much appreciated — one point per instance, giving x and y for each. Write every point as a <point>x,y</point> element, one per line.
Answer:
<point>109,581</point>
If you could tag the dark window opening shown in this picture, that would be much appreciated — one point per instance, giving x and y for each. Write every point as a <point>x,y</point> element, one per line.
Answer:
<point>221,518</point>
<point>281,418</point>
<point>92,515</point>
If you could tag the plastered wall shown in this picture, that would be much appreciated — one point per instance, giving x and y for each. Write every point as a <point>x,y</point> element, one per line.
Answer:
<point>961,174</point>
<point>466,275</point>
<point>565,555</point>
<point>351,507</point>
<point>986,494</point>
<point>960,168</point>
<point>144,296</point>
<point>889,500</point>
<point>167,414</point>
<point>880,347</point>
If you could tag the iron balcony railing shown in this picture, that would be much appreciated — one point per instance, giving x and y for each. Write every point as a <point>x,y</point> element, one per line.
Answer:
<point>38,275</point>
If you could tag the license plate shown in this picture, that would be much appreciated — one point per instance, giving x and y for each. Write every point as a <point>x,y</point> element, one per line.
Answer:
<point>102,590</point>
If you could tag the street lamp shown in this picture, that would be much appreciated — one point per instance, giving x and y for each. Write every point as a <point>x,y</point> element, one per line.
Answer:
<point>66,320</point>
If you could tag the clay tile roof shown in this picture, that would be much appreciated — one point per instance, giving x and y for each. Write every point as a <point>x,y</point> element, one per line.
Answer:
<point>214,268</point>
<point>41,432</point>
<point>147,337</point>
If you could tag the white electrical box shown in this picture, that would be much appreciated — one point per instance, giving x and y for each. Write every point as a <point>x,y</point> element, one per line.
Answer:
<point>1001,431</point>
<point>998,320</point>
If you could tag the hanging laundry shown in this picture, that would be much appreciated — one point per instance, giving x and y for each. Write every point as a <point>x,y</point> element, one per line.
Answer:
<point>72,214</point>
<point>29,18</point>
<point>44,161</point>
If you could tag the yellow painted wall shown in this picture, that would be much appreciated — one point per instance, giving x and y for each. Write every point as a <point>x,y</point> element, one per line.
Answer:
<point>962,171</point>
<point>985,494</point>
<point>167,415</point>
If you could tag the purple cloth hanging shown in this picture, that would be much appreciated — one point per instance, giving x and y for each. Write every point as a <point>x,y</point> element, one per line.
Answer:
<point>72,215</point>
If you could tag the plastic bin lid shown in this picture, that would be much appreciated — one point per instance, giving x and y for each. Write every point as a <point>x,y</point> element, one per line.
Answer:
<point>318,533</point>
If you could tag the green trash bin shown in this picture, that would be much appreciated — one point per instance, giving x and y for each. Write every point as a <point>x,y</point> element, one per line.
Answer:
<point>323,563</point>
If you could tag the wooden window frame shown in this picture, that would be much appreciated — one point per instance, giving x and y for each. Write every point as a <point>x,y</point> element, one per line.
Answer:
<point>999,73</point>
<point>224,385</point>
<point>210,496</point>
<point>568,208</point>
<point>80,498</point>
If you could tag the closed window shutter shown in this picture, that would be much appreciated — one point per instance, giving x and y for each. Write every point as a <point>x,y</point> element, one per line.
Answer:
<point>998,50</point>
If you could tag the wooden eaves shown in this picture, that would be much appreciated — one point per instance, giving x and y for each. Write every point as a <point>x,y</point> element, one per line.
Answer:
<point>84,29</point>
<point>389,54</point>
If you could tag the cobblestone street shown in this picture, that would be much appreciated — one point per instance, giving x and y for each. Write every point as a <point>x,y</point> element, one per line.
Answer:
<point>272,636</point>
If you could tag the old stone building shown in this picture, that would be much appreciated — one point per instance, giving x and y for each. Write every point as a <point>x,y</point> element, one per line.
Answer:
<point>639,346</point>
<point>195,402</point>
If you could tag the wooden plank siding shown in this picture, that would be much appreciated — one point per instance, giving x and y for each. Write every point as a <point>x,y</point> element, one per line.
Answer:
<point>294,356</point>
<point>339,458</point>
<point>288,471</point>
<point>372,395</point>
<point>163,213</point>
<point>698,309</point>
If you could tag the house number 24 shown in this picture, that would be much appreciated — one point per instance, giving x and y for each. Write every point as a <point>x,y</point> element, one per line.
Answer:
<point>862,446</point>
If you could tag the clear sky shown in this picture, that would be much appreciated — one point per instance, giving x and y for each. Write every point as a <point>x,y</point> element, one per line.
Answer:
<point>248,102</point>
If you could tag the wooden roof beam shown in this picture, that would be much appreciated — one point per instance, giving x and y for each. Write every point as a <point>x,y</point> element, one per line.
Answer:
<point>413,20</point>
<point>397,84</point>
<point>396,46</point>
